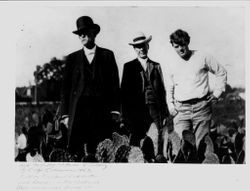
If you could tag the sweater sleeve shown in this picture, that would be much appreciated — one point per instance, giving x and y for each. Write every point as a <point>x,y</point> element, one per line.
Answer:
<point>220,73</point>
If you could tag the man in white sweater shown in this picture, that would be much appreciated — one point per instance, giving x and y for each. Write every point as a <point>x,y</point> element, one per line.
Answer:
<point>188,95</point>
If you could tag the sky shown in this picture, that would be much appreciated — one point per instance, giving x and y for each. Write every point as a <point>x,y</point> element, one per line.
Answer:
<point>45,31</point>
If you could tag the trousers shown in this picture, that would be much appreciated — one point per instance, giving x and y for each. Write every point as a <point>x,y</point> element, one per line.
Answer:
<point>157,118</point>
<point>195,117</point>
<point>91,126</point>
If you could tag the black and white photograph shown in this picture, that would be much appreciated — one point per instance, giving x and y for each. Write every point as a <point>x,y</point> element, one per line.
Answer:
<point>139,84</point>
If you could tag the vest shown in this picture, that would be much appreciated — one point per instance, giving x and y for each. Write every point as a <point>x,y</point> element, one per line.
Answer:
<point>92,80</point>
<point>150,97</point>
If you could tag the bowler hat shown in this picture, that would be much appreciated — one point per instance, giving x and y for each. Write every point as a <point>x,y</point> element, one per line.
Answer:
<point>140,38</point>
<point>84,24</point>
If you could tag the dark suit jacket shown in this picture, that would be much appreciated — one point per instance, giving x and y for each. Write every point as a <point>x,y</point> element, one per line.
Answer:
<point>134,108</point>
<point>74,82</point>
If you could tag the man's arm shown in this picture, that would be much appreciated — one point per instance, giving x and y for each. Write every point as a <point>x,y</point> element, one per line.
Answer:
<point>126,95</point>
<point>163,83</point>
<point>220,73</point>
<point>66,87</point>
<point>170,93</point>
<point>114,86</point>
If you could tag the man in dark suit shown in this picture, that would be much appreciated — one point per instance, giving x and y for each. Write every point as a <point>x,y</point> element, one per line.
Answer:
<point>90,91</point>
<point>143,93</point>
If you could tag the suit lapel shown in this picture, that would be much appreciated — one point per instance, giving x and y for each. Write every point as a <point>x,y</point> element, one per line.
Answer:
<point>94,62</point>
<point>81,60</point>
<point>139,70</point>
<point>150,67</point>
<point>78,65</point>
<point>138,66</point>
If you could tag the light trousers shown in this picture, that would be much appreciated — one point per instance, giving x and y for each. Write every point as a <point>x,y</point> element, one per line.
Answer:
<point>195,117</point>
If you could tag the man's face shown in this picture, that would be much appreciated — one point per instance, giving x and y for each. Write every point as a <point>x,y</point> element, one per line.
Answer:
<point>142,50</point>
<point>181,50</point>
<point>87,39</point>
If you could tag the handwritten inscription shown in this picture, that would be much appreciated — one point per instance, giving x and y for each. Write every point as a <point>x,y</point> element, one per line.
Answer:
<point>59,176</point>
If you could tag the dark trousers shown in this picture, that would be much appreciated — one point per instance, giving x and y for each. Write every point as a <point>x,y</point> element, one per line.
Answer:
<point>158,120</point>
<point>92,124</point>
<point>138,125</point>
<point>138,132</point>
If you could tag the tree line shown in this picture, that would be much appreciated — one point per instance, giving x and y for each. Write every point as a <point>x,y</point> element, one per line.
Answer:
<point>48,81</point>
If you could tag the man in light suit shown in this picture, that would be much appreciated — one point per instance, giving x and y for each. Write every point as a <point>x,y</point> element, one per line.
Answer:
<point>90,91</point>
<point>143,92</point>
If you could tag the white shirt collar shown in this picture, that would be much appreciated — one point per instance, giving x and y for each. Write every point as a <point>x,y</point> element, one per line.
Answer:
<point>143,62</point>
<point>89,51</point>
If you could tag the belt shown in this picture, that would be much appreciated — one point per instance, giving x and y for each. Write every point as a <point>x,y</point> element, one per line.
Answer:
<point>195,100</point>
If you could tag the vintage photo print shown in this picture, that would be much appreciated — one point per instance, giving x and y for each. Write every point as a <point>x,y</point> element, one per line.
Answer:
<point>129,88</point>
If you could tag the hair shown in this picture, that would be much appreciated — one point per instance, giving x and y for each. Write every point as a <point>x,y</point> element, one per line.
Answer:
<point>180,37</point>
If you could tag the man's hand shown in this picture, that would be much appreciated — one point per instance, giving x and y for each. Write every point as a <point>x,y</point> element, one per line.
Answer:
<point>173,112</point>
<point>212,99</point>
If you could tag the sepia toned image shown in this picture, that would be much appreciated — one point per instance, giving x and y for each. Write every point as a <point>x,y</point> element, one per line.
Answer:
<point>130,84</point>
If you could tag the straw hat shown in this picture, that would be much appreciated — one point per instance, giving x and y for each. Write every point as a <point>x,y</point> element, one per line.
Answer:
<point>140,38</point>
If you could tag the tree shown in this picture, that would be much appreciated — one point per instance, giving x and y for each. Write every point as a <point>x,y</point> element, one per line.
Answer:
<point>48,79</point>
<point>49,71</point>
